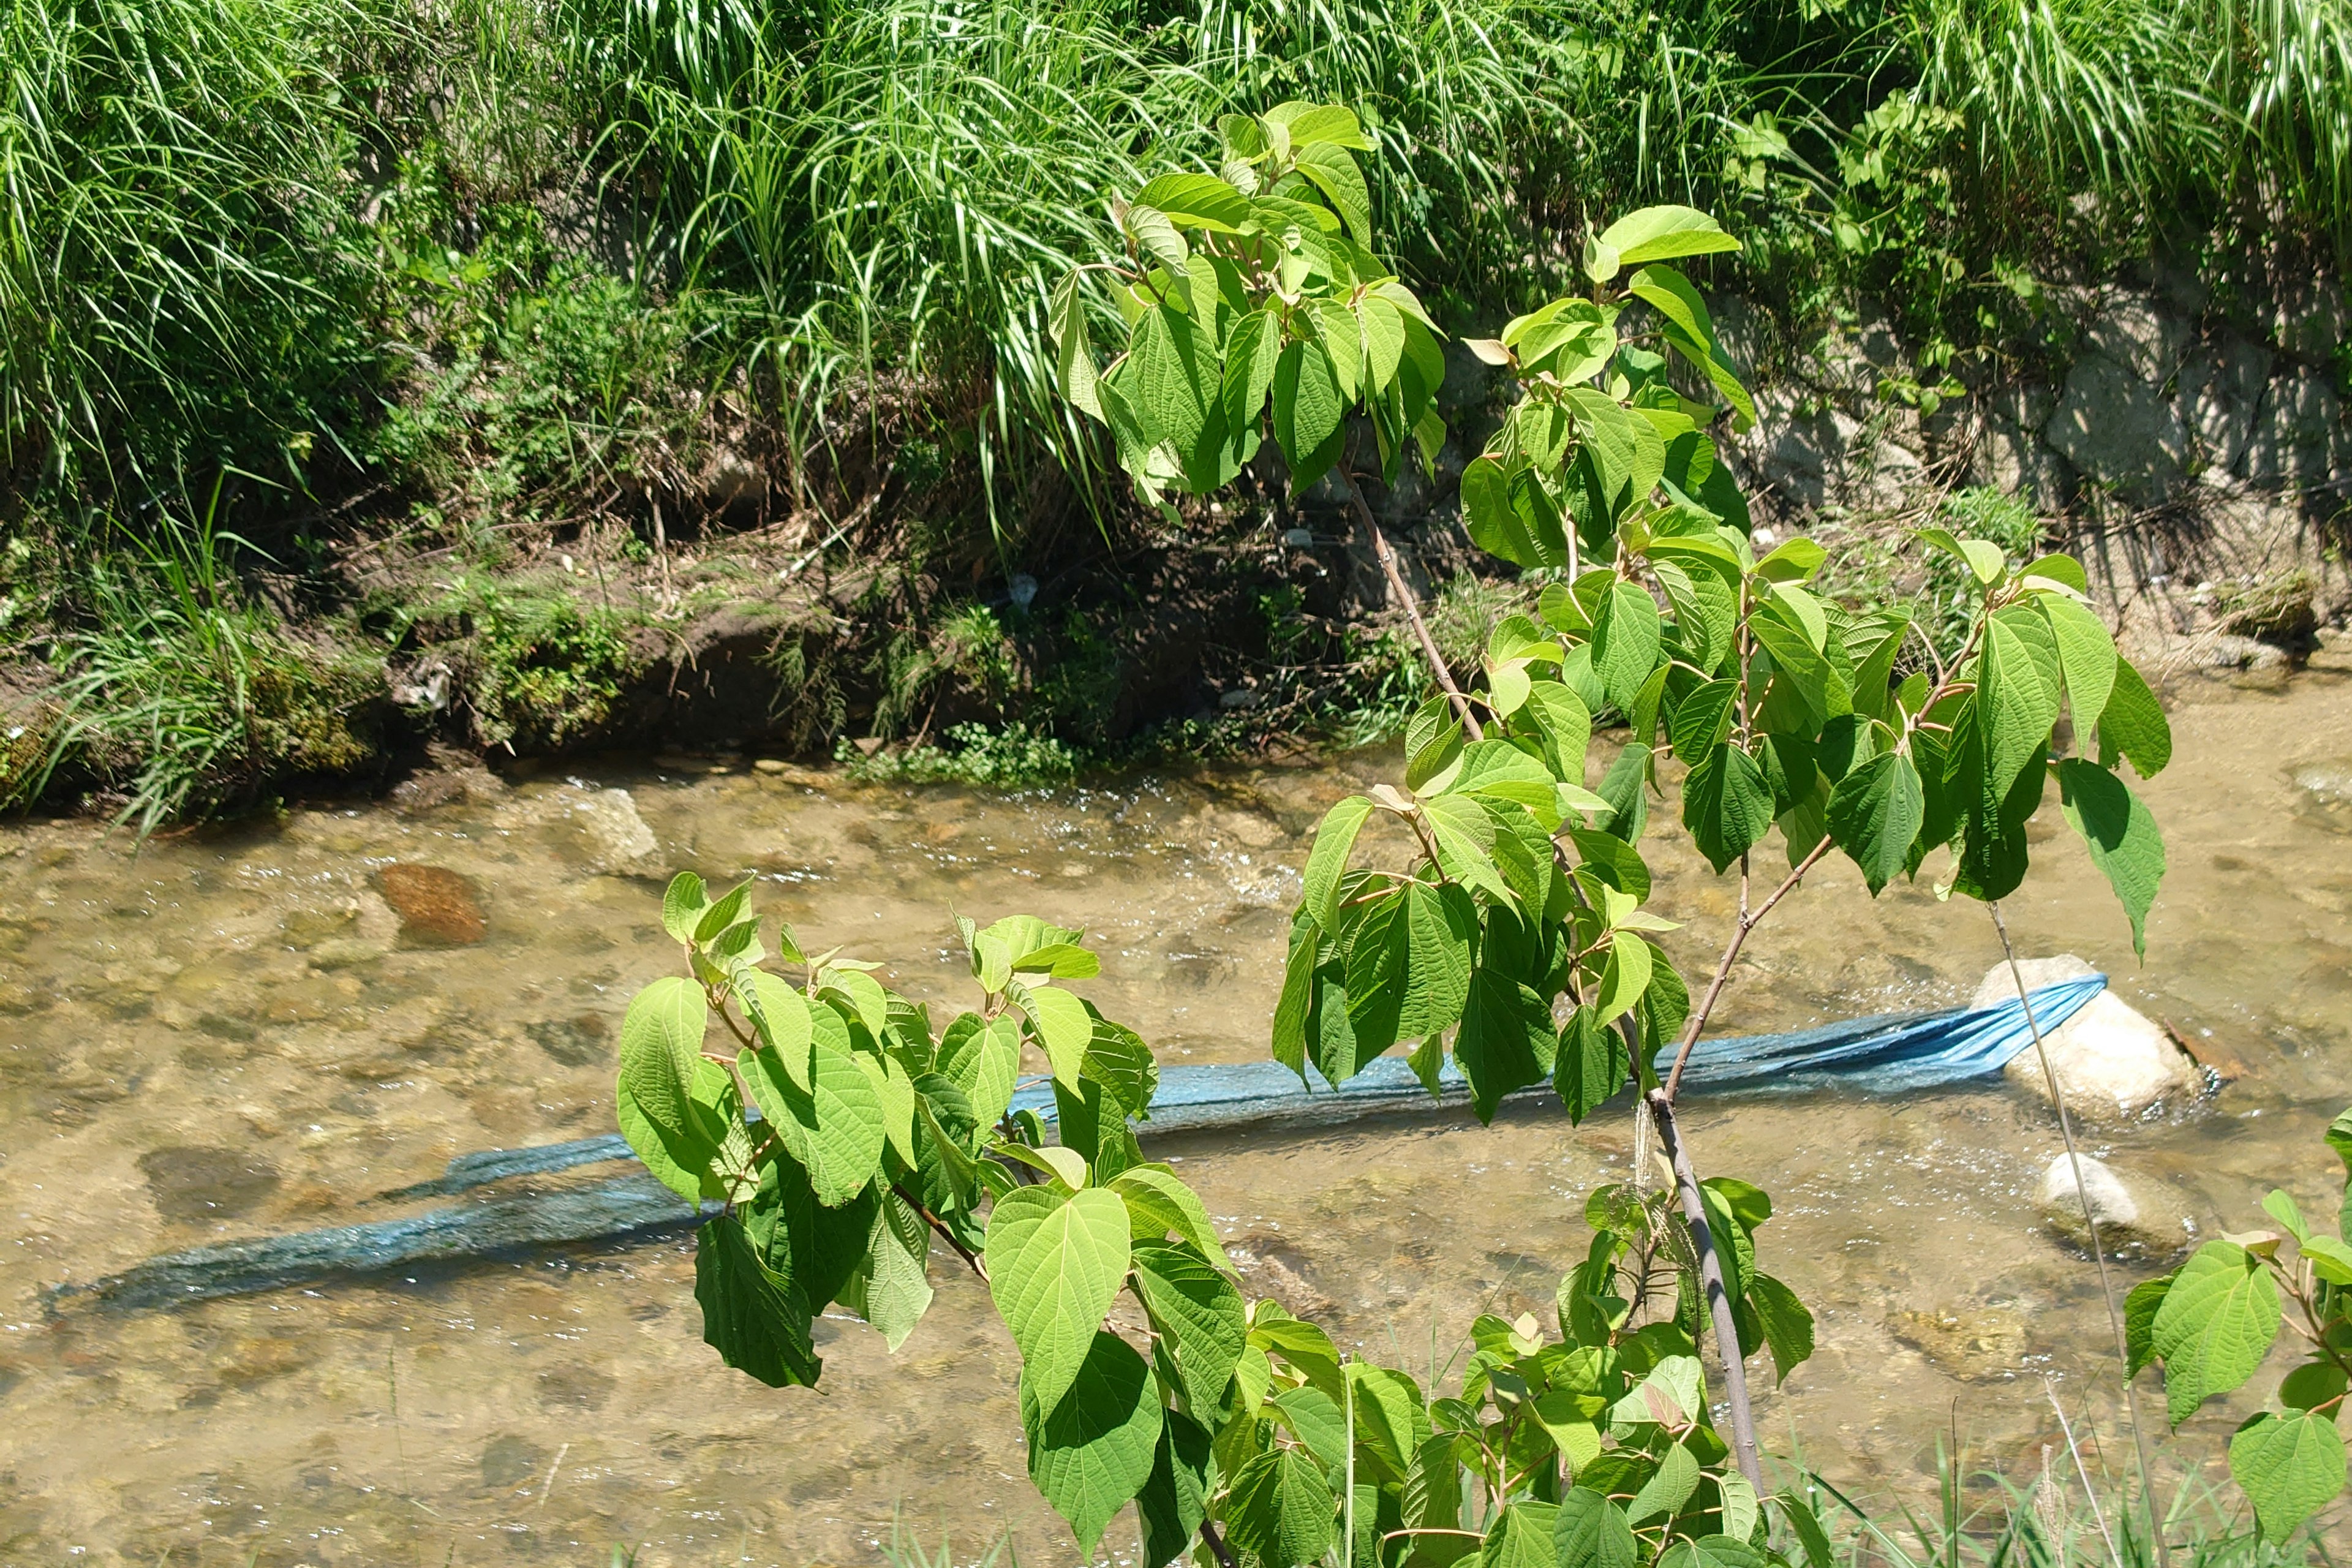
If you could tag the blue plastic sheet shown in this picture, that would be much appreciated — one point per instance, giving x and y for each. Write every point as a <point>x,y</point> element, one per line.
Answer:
<point>1897,1054</point>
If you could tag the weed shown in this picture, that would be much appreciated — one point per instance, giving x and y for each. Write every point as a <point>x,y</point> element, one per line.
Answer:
<point>181,698</point>
<point>1011,758</point>
<point>542,665</point>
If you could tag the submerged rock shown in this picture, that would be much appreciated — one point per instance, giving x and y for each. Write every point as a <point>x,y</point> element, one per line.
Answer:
<point>436,905</point>
<point>2327,790</point>
<point>2111,1060</point>
<point>612,837</point>
<point>2134,1215</point>
<point>1975,1344</point>
<point>195,1186</point>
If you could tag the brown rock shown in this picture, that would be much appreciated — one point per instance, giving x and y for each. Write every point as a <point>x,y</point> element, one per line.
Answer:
<point>437,906</point>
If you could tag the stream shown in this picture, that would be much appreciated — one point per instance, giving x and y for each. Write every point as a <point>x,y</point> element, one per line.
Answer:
<point>233,1032</point>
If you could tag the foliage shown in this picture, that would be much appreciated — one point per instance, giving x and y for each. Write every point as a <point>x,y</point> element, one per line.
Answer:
<point>2210,1323</point>
<point>543,665</point>
<point>876,1130</point>
<point>840,1131</point>
<point>179,696</point>
<point>1011,758</point>
<point>178,279</point>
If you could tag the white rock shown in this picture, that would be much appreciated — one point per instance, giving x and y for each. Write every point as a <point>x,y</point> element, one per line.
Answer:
<point>2110,1059</point>
<point>613,835</point>
<point>2132,1216</point>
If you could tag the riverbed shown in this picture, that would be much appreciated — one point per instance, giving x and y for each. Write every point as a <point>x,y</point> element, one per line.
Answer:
<point>233,1032</point>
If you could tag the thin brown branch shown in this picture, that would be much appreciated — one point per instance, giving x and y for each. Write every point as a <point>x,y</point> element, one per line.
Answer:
<point>1748,921</point>
<point>1216,1544</point>
<point>1402,592</point>
<point>939,1226</point>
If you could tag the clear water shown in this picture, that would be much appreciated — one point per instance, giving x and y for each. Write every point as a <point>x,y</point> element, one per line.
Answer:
<point>220,1036</point>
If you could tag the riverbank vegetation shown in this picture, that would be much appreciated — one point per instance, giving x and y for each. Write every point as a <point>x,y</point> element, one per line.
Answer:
<point>481,355</point>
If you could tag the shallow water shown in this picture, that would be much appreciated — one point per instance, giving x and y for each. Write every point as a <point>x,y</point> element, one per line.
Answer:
<point>227,1035</point>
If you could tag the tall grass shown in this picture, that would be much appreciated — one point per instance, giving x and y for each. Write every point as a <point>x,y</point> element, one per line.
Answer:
<point>177,266</point>
<point>179,695</point>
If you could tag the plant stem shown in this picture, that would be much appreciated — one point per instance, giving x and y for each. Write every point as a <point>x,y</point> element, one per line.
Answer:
<point>1216,1544</point>
<point>1748,921</point>
<point>1403,594</point>
<point>1710,1279</point>
<point>939,1226</point>
<point>2098,1251</point>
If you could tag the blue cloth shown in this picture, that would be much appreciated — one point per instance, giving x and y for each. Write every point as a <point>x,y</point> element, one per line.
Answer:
<point>1897,1054</point>
<point>1889,1054</point>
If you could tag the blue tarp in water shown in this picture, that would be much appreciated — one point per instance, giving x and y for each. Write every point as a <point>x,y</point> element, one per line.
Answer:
<point>1899,1053</point>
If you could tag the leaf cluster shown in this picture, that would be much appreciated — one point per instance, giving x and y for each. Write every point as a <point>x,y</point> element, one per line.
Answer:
<point>1251,298</point>
<point>2210,1324</point>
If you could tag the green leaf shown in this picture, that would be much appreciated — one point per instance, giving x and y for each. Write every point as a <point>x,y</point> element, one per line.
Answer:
<point>2139,1321</point>
<point>1982,557</point>
<point>1875,813</point>
<point>1313,1417</point>
<point>1159,1203</point>
<point>661,1043</point>
<point>1663,233</point>
<point>1091,1448</point>
<point>2132,725</point>
<point>1392,1419</point>
<point>1307,413</point>
<point>1521,1537</point>
<point>1505,1041</point>
<point>1408,964</point>
<point>836,1128</point>
<point>2291,1467</point>
<point>1334,172</point>
<point>1592,1531</point>
<point>2121,835</point>
<point>1056,1260</point>
<point>894,1092</point>
<point>1508,514</point>
<point>2215,1326</point>
<point>1074,348</point>
<point>1197,201</point>
<point>1788,1324</point>
<point>1625,642</point>
<point>1174,1501</point>
<point>683,902</point>
<point>1062,1025</point>
<point>1669,1487</point>
<point>1280,1508</point>
<point>754,1317</point>
<point>2086,655</point>
<point>1727,805</point>
<point>1593,1064</point>
<point>984,1059</point>
<point>1327,862</point>
<point>1252,352</point>
<point>1175,376</point>
<point>2017,697</point>
<point>1626,976</point>
<point>1711,1551</point>
<point>1671,295</point>
<point>1310,123</point>
<point>889,1287</point>
<point>1701,719</point>
<point>1200,1317</point>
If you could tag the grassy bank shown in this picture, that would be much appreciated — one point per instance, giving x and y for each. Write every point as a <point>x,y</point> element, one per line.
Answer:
<point>351,346</point>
